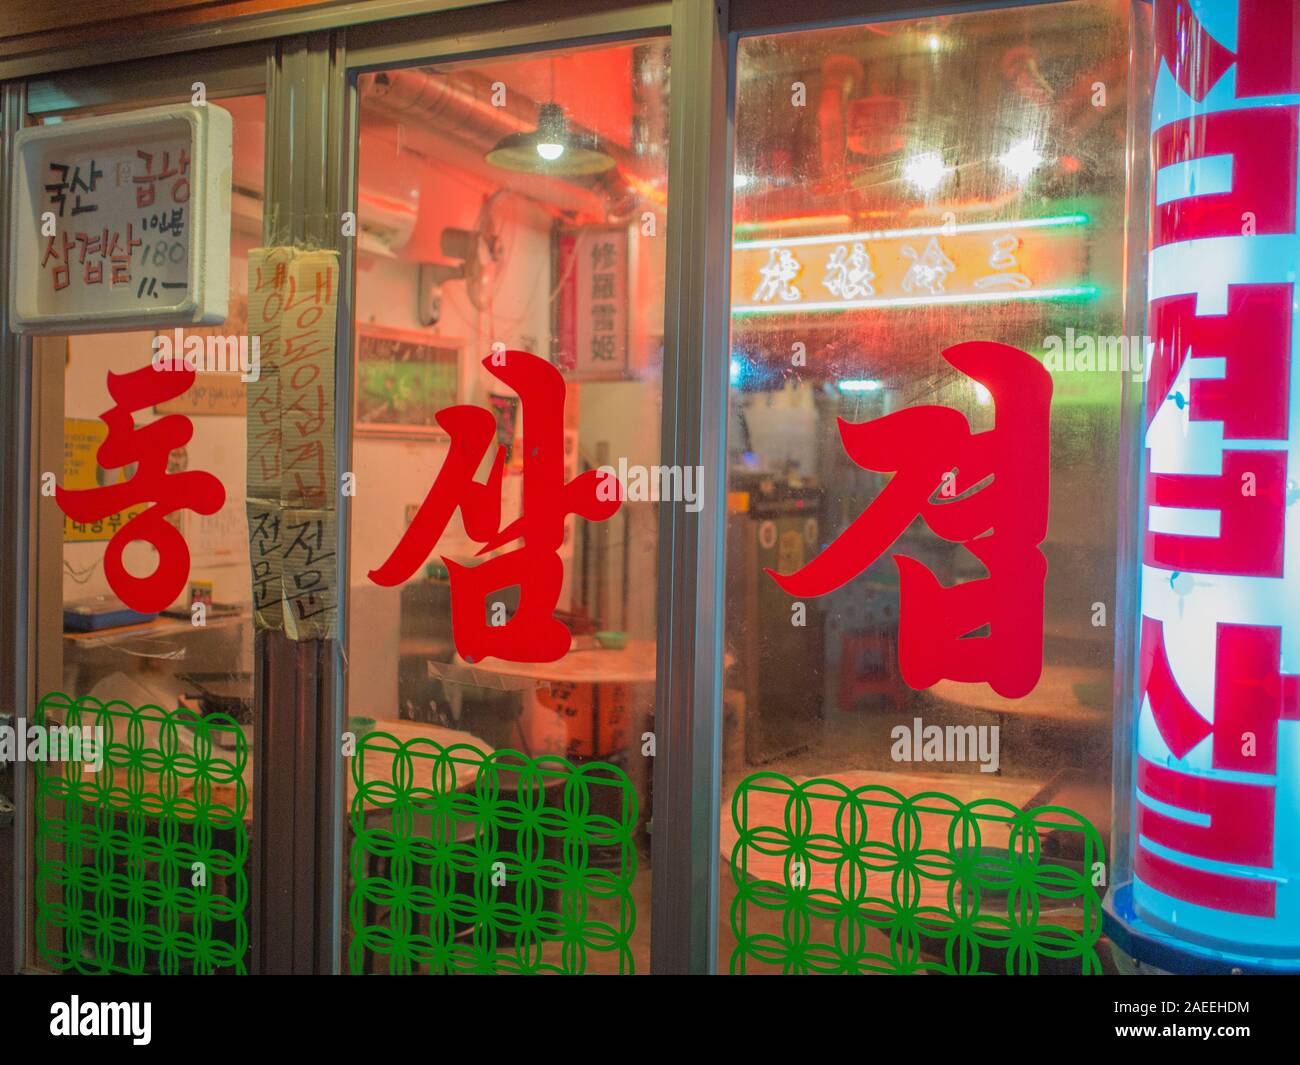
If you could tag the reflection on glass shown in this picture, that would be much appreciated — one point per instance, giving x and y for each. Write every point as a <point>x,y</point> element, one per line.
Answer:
<point>499,811</point>
<point>935,181</point>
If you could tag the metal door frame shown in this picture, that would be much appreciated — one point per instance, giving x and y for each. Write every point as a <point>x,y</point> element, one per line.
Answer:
<point>31,429</point>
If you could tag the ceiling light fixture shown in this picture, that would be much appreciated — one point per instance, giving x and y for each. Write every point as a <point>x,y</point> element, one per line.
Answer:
<point>551,148</point>
<point>1021,159</point>
<point>926,171</point>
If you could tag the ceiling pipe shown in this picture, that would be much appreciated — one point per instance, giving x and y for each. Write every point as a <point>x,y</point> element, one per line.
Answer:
<point>558,197</point>
<point>459,106</point>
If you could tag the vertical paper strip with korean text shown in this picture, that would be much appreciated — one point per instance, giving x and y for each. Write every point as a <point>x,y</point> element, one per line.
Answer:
<point>292,523</point>
<point>307,478</point>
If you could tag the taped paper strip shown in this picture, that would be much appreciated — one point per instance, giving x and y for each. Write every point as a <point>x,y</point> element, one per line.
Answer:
<point>292,521</point>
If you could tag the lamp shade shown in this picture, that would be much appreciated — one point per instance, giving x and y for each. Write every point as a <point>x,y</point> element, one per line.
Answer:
<point>552,148</point>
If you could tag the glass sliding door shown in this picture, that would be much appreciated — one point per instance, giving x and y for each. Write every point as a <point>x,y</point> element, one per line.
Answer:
<point>501,629</point>
<point>139,842</point>
<point>927,365</point>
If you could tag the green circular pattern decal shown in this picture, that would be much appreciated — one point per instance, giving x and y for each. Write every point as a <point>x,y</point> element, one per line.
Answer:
<point>858,880</point>
<point>141,865</point>
<point>500,863</point>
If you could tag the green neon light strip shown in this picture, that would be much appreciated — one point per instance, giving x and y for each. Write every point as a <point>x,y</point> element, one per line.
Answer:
<point>1076,292</point>
<point>1051,222</point>
<point>833,879</point>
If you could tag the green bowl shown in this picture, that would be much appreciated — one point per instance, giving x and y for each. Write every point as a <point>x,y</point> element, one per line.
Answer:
<point>359,726</point>
<point>612,641</point>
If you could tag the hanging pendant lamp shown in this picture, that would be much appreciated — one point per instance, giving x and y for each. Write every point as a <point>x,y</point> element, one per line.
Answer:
<point>551,148</point>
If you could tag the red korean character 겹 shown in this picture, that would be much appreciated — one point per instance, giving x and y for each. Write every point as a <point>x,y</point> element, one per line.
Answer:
<point>91,257</point>
<point>939,466</point>
<point>148,446</point>
<point>533,634</point>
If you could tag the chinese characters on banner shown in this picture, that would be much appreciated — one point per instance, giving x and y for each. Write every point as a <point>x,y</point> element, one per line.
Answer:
<point>591,304</point>
<point>1031,258</point>
<point>533,633</point>
<point>1217,767</point>
<point>148,448</point>
<point>292,515</point>
<point>124,220</point>
<point>937,465</point>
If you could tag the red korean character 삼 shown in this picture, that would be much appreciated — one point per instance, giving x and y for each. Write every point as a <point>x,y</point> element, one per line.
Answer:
<point>62,271</point>
<point>533,633</point>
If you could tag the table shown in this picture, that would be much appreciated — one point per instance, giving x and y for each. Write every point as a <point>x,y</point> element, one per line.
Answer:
<point>154,628</point>
<point>634,663</point>
<point>162,644</point>
<point>1055,697</point>
<point>581,705</point>
<point>768,808</point>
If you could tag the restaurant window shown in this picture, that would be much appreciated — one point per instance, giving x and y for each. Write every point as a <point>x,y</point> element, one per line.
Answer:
<point>141,848</point>
<point>921,544</point>
<point>510,255</point>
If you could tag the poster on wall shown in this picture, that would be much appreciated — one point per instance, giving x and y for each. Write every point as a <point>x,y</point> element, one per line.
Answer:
<point>122,221</point>
<point>590,304</point>
<point>82,439</point>
<point>403,379</point>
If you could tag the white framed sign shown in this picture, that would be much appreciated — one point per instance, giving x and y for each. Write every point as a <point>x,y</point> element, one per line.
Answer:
<point>122,221</point>
<point>591,304</point>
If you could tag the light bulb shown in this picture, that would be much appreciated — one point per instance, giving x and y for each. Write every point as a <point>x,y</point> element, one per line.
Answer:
<point>1021,159</point>
<point>925,171</point>
<point>550,151</point>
